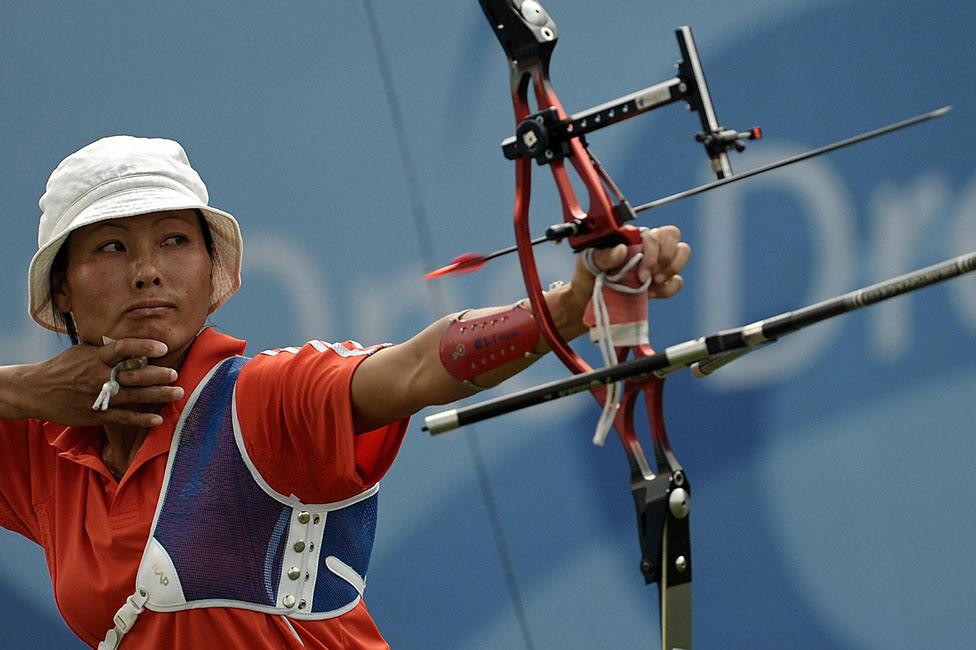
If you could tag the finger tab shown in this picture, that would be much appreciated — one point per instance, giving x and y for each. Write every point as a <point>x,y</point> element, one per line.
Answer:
<point>132,364</point>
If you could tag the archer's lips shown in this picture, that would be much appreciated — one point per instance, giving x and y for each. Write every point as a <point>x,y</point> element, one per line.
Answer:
<point>148,308</point>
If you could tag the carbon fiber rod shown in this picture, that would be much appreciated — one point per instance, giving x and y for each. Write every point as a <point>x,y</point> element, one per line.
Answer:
<point>897,126</point>
<point>685,354</point>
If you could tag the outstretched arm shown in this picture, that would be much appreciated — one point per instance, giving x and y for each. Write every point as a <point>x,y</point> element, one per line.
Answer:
<point>400,380</point>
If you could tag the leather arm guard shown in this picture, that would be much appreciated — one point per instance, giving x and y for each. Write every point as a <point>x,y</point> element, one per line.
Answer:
<point>472,347</point>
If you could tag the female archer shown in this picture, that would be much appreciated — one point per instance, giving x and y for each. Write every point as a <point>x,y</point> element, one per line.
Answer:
<point>186,495</point>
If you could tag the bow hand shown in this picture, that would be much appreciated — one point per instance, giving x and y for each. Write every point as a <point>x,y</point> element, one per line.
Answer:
<point>663,256</point>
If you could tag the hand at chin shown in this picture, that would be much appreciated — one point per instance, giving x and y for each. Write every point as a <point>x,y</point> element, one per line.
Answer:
<point>177,342</point>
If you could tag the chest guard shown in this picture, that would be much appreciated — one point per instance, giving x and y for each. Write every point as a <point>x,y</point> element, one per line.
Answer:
<point>221,537</point>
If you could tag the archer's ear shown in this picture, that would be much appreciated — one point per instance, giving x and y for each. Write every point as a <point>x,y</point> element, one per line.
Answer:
<point>60,294</point>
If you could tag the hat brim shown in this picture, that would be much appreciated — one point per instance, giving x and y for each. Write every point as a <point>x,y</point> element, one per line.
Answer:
<point>228,244</point>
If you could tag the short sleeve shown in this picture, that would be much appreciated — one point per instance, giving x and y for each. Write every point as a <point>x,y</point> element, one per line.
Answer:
<point>16,505</point>
<point>294,407</point>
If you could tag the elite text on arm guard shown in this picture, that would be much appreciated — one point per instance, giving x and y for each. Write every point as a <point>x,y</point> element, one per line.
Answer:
<point>472,347</point>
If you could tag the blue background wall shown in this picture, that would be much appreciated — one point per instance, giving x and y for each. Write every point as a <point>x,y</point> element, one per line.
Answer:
<point>833,504</point>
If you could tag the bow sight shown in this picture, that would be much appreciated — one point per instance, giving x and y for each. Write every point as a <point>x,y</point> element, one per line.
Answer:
<point>528,35</point>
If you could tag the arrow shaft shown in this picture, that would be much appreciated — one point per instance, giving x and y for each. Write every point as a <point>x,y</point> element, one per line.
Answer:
<point>897,126</point>
<point>513,248</point>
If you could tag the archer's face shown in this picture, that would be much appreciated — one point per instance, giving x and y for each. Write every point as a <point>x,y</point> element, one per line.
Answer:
<point>138,277</point>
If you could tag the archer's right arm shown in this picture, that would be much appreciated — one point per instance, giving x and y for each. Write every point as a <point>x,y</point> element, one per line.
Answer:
<point>63,388</point>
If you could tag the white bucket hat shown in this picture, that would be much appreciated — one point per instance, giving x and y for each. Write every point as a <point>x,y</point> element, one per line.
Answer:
<point>122,176</point>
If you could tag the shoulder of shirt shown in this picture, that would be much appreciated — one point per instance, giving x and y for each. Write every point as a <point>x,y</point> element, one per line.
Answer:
<point>343,349</point>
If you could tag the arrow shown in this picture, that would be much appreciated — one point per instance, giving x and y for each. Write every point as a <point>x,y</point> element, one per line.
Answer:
<point>471,262</point>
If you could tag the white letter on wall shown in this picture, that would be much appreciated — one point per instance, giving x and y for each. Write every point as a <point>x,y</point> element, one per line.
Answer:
<point>721,248</point>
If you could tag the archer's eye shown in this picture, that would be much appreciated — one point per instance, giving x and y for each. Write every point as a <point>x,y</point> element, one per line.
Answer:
<point>175,240</point>
<point>112,247</point>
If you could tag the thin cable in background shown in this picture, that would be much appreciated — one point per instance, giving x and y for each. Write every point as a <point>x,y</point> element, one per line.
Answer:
<point>436,297</point>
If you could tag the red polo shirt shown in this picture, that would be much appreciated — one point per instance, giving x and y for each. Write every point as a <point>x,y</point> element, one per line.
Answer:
<point>56,491</point>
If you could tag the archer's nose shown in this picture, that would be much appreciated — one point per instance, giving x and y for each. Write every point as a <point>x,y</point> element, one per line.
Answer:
<point>145,274</point>
<point>142,283</point>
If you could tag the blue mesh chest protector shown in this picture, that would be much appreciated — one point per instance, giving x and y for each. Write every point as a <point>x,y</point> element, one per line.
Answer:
<point>221,537</point>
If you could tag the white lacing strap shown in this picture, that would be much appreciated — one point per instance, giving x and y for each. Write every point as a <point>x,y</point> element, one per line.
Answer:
<point>111,387</point>
<point>601,316</point>
<point>125,618</point>
<point>611,280</point>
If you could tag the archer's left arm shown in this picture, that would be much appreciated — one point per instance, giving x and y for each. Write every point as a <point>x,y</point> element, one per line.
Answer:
<point>400,380</point>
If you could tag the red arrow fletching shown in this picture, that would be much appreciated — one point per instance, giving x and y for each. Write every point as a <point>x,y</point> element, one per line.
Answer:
<point>464,263</point>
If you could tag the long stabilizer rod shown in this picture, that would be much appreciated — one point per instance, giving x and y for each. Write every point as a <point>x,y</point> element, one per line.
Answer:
<point>712,346</point>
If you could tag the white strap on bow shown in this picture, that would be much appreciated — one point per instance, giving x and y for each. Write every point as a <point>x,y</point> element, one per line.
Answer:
<point>605,340</point>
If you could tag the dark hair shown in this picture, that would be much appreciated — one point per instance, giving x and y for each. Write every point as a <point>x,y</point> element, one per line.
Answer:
<point>60,267</point>
<point>208,240</point>
<point>61,318</point>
